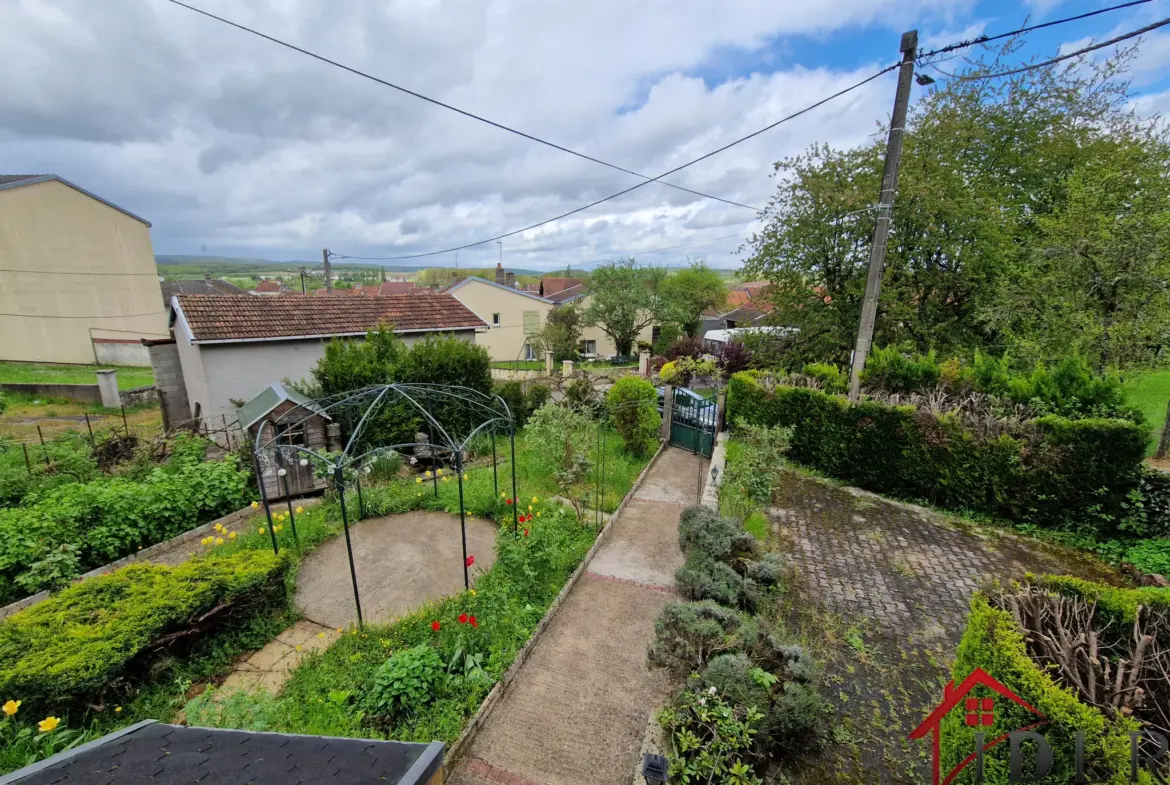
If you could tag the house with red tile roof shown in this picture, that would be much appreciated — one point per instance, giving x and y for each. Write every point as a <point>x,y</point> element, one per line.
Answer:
<point>270,286</point>
<point>231,347</point>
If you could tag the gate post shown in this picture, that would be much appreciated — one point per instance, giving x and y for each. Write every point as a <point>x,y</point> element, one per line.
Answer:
<point>720,411</point>
<point>667,410</point>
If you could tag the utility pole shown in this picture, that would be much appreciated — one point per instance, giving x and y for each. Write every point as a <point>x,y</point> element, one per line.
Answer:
<point>328,273</point>
<point>303,291</point>
<point>881,229</point>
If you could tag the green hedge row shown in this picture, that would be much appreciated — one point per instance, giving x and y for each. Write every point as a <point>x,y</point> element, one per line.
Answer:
<point>80,642</point>
<point>69,530</point>
<point>1051,471</point>
<point>994,642</point>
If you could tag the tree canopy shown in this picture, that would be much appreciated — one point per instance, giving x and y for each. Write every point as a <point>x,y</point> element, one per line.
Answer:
<point>624,299</point>
<point>1032,218</point>
<point>687,293</point>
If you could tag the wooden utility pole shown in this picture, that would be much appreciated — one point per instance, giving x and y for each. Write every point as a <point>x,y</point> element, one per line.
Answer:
<point>881,229</point>
<point>328,272</point>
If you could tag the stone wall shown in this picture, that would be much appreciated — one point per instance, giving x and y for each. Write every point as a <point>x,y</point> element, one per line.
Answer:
<point>82,393</point>
<point>168,380</point>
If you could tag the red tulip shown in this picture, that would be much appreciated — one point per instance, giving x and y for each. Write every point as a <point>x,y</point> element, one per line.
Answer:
<point>525,532</point>
<point>470,561</point>
<point>435,626</point>
<point>463,618</point>
<point>508,502</point>
<point>474,623</point>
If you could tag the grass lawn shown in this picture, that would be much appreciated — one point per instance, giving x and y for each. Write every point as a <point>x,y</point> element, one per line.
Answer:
<point>1150,392</point>
<point>50,373</point>
<point>22,417</point>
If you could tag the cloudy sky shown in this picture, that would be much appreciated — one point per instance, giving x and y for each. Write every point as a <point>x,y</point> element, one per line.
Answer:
<point>224,140</point>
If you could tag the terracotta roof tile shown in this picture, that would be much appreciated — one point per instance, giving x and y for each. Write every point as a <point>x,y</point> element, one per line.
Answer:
<point>553,285</point>
<point>270,285</point>
<point>217,317</point>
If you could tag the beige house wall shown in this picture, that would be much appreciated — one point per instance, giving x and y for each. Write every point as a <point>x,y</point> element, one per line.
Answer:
<point>50,227</point>
<point>605,344</point>
<point>505,342</point>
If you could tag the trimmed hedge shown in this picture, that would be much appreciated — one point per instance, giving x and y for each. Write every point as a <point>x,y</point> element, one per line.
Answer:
<point>1053,471</point>
<point>75,644</point>
<point>994,642</point>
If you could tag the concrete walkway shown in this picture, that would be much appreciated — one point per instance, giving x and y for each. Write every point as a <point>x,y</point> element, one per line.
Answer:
<point>576,711</point>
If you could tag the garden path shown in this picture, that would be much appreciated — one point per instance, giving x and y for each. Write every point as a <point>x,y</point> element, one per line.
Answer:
<point>576,710</point>
<point>882,590</point>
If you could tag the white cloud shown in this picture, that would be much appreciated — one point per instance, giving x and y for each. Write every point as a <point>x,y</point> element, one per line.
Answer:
<point>223,139</point>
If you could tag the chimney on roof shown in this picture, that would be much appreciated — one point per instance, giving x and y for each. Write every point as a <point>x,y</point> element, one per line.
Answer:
<point>510,281</point>
<point>501,276</point>
<point>207,277</point>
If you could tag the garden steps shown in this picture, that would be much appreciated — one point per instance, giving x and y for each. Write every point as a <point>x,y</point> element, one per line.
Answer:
<point>576,709</point>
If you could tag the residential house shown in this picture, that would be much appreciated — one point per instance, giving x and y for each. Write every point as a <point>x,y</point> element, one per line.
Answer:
<point>550,286</point>
<point>204,285</point>
<point>230,347</point>
<point>270,286</point>
<point>512,315</point>
<point>78,282</point>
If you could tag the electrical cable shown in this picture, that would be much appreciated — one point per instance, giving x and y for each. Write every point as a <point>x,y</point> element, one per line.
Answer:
<point>70,272</point>
<point>1055,60</point>
<point>984,39</point>
<point>456,109</point>
<point>99,316</point>
<point>704,157</point>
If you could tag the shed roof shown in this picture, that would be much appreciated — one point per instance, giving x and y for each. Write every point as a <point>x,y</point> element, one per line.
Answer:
<point>268,399</point>
<point>151,753</point>
<point>215,318</point>
<point>19,180</point>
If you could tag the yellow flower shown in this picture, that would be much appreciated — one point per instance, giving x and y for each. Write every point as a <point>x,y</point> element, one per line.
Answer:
<point>278,529</point>
<point>321,635</point>
<point>47,724</point>
<point>438,472</point>
<point>340,630</point>
<point>428,474</point>
<point>446,479</point>
<point>263,530</point>
<point>503,496</point>
<point>537,514</point>
<point>530,508</point>
<point>255,505</point>
<point>465,477</point>
<point>232,536</point>
<point>300,509</point>
<point>535,500</point>
<point>219,540</point>
<point>418,480</point>
<point>471,592</point>
<point>117,710</point>
<point>11,707</point>
<point>298,647</point>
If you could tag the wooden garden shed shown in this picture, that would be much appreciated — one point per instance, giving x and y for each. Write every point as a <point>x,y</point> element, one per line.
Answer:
<point>310,428</point>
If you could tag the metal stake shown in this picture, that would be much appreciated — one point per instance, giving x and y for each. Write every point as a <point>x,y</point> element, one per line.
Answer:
<point>44,450</point>
<point>515,498</point>
<point>264,498</point>
<point>463,518</point>
<point>339,481</point>
<point>292,519</point>
<point>361,502</point>
<point>89,428</point>
<point>495,473</point>
<point>27,462</point>
<point>125,424</point>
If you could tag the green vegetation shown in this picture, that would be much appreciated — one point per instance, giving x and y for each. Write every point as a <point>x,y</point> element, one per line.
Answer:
<point>632,402</point>
<point>753,693</point>
<point>61,532</point>
<point>129,377</point>
<point>1149,393</point>
<point>1016,199</point>
<point>1050,471</point>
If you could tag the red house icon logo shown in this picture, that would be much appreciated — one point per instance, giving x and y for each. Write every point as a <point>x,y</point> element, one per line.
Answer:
<point>978,712</point>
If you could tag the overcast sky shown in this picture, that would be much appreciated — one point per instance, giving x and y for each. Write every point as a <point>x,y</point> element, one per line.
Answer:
<point>224,140</point>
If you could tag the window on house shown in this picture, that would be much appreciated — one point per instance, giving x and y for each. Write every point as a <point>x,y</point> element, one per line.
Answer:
<point>588,347</point>
<point>531,322</point>
<point>529,354</point>
<point>495,320</point>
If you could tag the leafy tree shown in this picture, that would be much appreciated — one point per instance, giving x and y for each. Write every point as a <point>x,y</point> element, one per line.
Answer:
<point>625,298</point>
<point>350,365</point>
<point>687,293</point>
<point>632,404</point>
<point>560,334</point>
<point>1001,226</point>
<point>560,436</point>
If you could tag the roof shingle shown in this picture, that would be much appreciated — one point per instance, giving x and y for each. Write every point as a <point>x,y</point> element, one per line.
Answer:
<point>221,317</point>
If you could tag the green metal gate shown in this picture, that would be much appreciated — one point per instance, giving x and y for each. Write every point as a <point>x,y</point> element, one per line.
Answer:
<point>692,422</point>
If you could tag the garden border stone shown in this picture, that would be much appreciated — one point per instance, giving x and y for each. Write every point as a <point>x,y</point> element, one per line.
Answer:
<point>718,463</point>
<point>147,553</point>
<point>455,751</point>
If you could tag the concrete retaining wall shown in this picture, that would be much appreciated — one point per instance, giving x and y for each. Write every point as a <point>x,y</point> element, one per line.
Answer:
<point>82,393</point>
<point>117,351</point>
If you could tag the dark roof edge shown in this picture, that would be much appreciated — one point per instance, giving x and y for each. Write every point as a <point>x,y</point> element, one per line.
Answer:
<point>53,760</point>
<point>424,768</point>
<point>45,178</point>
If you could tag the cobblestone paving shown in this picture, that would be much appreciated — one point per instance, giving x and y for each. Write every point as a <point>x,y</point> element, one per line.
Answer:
<point>883,588</point>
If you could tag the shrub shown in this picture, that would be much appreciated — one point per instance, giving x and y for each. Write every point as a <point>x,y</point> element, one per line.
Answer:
<point>1151,556</point>
<point>703,529</point>
<point>535,396</point>
<point>995,643</point>
<point>1051,471</point>
<point>686,347</point>
<point>832,378</point>
<point>688,634</point>
<point>891,370</point>
<point>522,401</point>
<point>407,681</point>
<point>704,578</point>
<point>632,404</point>
<point>581,396</point>
<point>711,739</point>
<point>560,438</point>
<point>756,467</point>
<point>768,571</point>
<point>111,517</point>
<point>80,643</point>
<point>734,357</point>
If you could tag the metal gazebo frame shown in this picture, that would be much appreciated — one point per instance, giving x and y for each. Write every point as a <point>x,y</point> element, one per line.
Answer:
<point>485,413</point>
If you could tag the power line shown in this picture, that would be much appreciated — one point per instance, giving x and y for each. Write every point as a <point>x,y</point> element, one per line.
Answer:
<point>99,316</point>
<point>71,272</point>
<point>463,112</point>
<point>668,248</point>
<point>1055,60</point>
<point>983,39</point>
<point>704,157</point>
